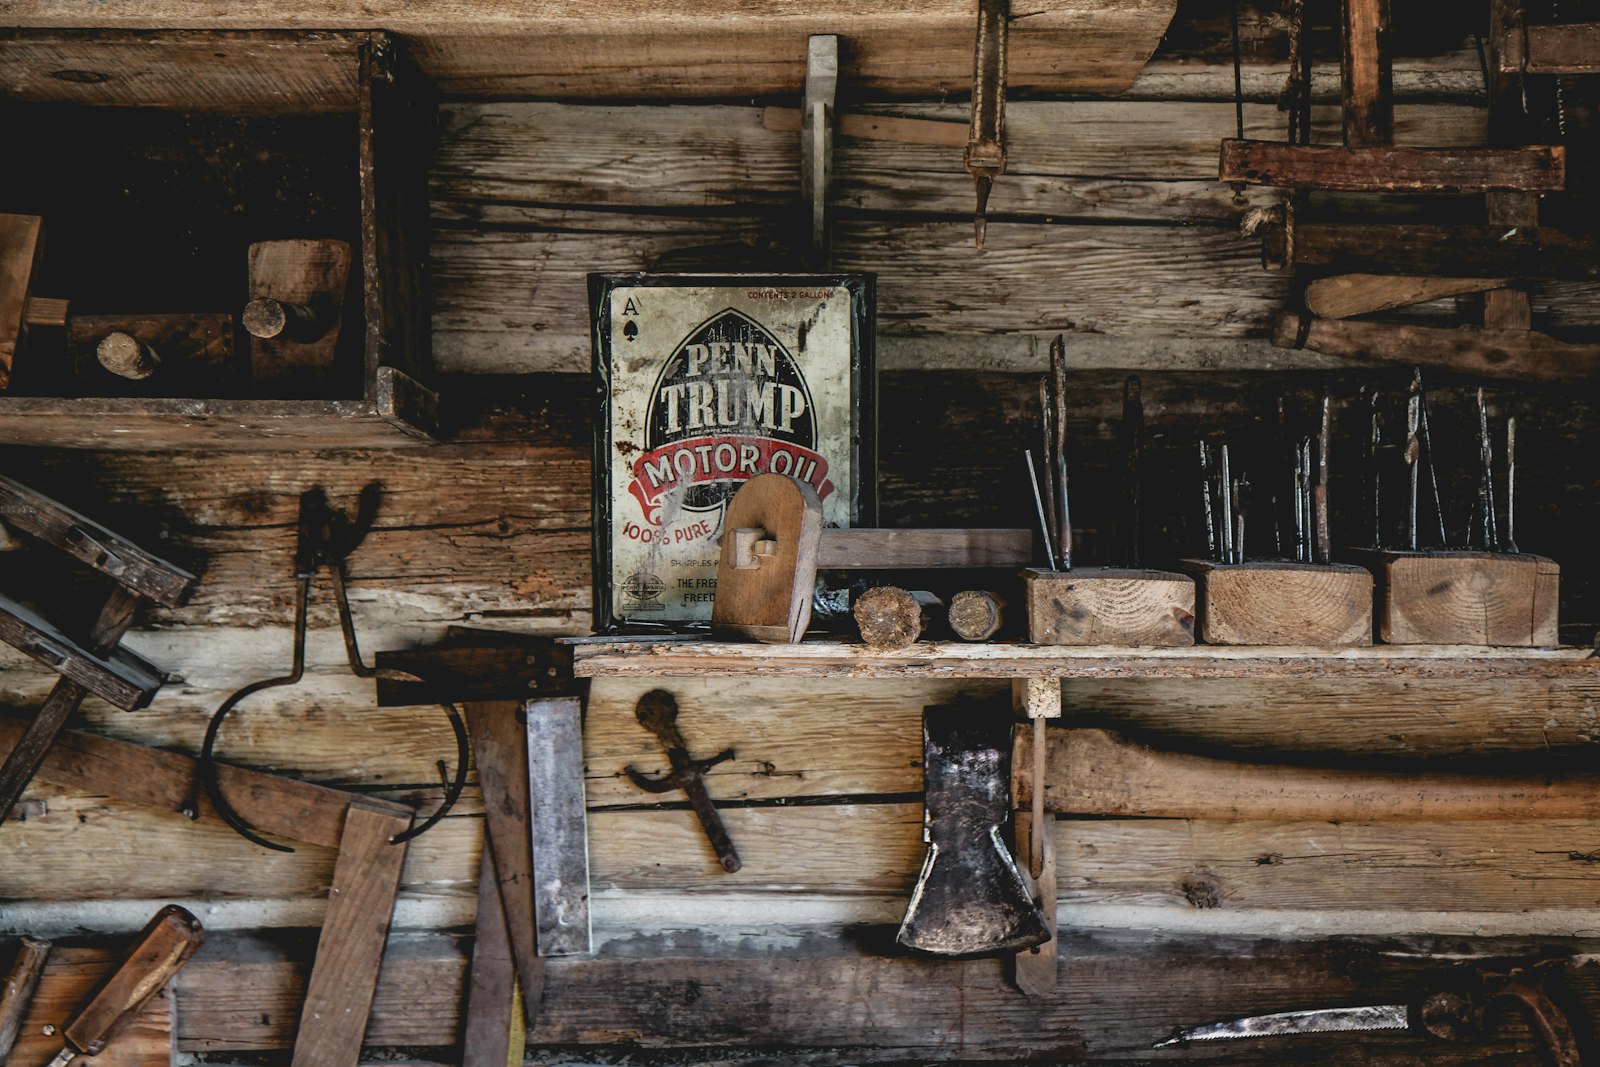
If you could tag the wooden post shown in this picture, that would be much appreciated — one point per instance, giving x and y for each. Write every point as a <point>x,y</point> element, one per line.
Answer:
<point>1366,73</point>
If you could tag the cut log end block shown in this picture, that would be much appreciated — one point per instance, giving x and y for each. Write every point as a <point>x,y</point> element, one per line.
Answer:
<point>1281,603</point>
<point>1109,607</point>
<point>891,618</point>
<point>1465,598</point>
<point>977,614</point>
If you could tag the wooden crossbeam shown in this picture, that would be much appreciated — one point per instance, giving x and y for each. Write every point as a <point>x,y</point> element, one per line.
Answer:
<point>1512,354</point>
<point>1382,168</point>
<point>1571,48</point>
<point>1410,248</point>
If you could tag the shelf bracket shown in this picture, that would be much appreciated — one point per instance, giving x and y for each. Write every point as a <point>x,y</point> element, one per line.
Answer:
<point>816,138</point>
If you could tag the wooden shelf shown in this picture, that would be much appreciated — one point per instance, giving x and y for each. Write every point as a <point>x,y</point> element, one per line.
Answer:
<point>838,659</point>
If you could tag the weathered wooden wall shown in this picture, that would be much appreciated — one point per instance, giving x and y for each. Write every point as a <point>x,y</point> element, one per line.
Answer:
<point>1107,226</point>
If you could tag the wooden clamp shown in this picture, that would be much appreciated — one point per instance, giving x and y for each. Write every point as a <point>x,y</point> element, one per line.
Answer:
<point>366,877</point>
<point>21,251</point>
<point>773,545</point>
<point>96,665</point>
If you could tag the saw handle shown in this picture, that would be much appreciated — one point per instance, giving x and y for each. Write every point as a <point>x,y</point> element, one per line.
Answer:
<point>163,947</point>
<point>1454,1016</point>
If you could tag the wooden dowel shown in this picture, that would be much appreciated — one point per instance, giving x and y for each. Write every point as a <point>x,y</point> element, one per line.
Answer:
<point>895,618</point>
<point>126,356</point>
<point>977,614</point>
<point>269,319</point>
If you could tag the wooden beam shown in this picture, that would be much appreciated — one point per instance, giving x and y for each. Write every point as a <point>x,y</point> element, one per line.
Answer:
<point>1569,48</point>
<point>344,978</point>
<point>1413,248</point>
<point>873,549</point>
<point>1512,354</point>
<point>116,675</point>
<point>167,781</point>
<point>1391,169</point>
<point>1366,74</point>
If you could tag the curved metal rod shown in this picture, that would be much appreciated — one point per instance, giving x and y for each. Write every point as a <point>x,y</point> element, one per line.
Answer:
<point>208,766</point>
<point>452,791</point>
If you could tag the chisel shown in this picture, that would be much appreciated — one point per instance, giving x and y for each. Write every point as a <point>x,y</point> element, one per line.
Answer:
<point>163,947</point>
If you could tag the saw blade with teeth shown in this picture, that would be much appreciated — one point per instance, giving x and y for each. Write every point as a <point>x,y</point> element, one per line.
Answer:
<point>1317,1021</point>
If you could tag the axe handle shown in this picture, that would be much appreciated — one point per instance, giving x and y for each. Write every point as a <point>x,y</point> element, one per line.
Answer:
<point>1098,772</point>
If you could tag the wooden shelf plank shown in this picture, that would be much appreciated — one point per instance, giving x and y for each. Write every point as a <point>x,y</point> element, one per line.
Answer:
<point>823,658</point>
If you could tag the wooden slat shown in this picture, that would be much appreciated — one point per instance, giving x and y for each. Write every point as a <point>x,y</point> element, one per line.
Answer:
<point>877,549</point>
<point>124,680</point>
<point>1391,169</point>
<point>1346,295</point>
<point>492,1032</point>
<point>230,425</point>
<point>167,781</point>
<point>687,48</point>
<point>91,543</point>
<point>1572,48</point>
<point>344,977</point>
<point>1528,252</point>
<point>208,71</point>
<point>936,659</point>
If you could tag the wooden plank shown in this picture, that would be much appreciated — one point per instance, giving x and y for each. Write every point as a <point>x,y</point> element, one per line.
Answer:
<point>344,979</point>
<point>500,751</point>
<point>263,70</point>
<point>1570,48</point>
<point>863,549</point>
<point>1346,295</point>
<point>1407,248</point>
<point>21,249</point>
<point>492,1034</point>
<point>116,676</point>
<point>1393,169</point>
<point>1366,72</point>
<point>166,781</point>
<point>1000,660</point>
<point>495,289</point>
<point>92,544</point>
<point>690,48</point>
<point>1130,992</point>
<point>70,976</point>
<point>227,425</point>
<point>1512,354</point>
<point>1100,772</point>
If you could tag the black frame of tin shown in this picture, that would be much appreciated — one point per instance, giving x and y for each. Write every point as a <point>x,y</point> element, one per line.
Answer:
<point>863,415</point>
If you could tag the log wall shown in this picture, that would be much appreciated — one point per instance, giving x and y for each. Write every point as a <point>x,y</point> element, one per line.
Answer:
<point>1109,227</point>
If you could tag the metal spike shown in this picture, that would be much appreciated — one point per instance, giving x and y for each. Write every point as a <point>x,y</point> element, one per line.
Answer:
<point>1320,494</point>
<point>1511,484</point>
<point>1205,498</point>
<point>1491,532</point>
<point>1227,508</point>
<point>1374,472</point>
<point>1413,453</point>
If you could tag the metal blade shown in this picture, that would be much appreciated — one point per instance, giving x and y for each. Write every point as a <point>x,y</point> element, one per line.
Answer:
<point>1316,1021</point>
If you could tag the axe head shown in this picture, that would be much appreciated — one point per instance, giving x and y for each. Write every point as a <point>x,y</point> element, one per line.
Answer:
<point>970,896</point>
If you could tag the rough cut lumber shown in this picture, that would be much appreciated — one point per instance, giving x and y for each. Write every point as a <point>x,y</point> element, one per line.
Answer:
<point>21,249</point>
<point>344,977</point>
<point>1275,603</point>
<point>1467,598</point>
<point>17,988</point>
<point>687,47</point>
<point>890,618</point>
<point>1099,772</point>
<point>493,1031</point>
<point>1392,169</point>
<point>1109,607</point>
<point>1347,295</point>
<point>1514,354</point>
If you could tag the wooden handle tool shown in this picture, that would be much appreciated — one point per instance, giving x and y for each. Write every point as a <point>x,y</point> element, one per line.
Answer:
<point>16,991</point>
<point>163,947</point>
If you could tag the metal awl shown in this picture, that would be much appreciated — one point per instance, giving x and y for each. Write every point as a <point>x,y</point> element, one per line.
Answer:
<point>985,157</point>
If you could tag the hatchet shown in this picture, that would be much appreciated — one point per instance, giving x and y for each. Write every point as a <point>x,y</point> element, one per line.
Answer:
<point>970,896</point>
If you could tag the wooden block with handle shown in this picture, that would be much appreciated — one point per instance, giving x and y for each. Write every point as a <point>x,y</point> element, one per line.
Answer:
<point>165,354</point>
<point>297,296</point>
<point>768,566</point>
<point>1109,607</point>
<point>1279,603</point>
<point>1465,598</point>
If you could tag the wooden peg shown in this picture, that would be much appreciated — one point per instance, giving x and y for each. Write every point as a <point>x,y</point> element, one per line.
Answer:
<point>977,614</point>
<point>126,356</point>
<point>294,315</point>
